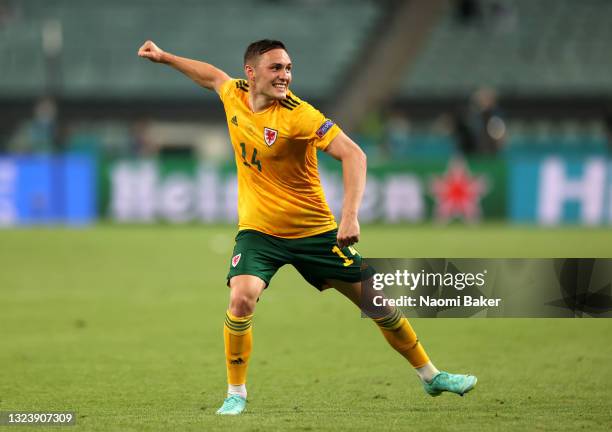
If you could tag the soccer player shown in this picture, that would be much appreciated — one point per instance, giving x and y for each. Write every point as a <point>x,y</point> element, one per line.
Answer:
<point>283,215</point>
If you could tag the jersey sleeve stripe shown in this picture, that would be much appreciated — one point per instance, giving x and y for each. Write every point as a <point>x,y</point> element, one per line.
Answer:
<point>242,85</point>
<point>284,104</point>
<point>293,101</point>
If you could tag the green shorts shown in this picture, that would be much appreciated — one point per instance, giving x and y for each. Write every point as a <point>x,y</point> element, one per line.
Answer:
<point>317,258</point>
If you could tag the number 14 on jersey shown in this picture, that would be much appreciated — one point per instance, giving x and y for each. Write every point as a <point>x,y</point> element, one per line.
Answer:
<point>254,160</point>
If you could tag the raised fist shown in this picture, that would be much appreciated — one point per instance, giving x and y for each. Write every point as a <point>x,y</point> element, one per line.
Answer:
<point>151,51</point>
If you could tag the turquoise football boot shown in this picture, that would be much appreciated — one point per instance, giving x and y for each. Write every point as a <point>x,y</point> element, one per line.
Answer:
<point>454,383</point>
<point>232,405</point>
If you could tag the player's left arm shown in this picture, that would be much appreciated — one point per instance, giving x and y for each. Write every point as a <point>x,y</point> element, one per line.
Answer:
<point>354,168</point>
<point>204,74</point>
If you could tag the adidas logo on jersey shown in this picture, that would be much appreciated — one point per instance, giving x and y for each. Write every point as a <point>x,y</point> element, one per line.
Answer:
<point>235,120</point>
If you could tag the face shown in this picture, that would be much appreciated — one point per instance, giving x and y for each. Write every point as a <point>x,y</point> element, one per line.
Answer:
<point>270,74</point>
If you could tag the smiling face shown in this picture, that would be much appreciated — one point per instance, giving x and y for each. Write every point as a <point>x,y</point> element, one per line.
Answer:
<point>269,74</point>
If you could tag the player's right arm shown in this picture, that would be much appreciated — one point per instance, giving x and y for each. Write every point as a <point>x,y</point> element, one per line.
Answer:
<point>201,73</point>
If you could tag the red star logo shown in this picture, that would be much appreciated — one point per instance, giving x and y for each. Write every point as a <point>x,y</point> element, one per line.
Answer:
<point>457,193</point>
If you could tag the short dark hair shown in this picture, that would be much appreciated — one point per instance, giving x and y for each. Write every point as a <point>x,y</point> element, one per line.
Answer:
<point>261,47</point>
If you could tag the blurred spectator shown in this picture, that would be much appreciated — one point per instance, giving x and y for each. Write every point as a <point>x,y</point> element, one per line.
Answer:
<point>140,141</point>
<point>481,130</point>
<point>608,128</point>
<point>468,11</point>
<point>502,17</point>
<point>38,134</point>
<point>397,134</point>
<point>44,125</point>
<point>466,142</point>
<point>496,15</point>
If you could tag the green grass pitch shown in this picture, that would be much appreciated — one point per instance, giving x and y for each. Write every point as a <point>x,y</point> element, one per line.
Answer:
<point>123,325</point>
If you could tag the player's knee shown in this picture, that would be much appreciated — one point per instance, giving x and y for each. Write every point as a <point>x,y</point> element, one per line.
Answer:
<point>242,304</point>
<point>245,291</point>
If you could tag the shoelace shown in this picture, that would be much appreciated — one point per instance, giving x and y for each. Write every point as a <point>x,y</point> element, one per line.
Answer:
<point>232,401</point>
<point>449,380</point>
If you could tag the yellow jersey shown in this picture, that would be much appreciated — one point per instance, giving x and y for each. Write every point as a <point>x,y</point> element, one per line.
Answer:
<point>279,189</point>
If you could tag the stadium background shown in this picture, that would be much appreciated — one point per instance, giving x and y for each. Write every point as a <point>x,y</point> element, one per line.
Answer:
<point>492,118</point>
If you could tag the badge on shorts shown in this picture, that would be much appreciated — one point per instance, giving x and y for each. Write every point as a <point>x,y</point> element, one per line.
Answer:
<point>236,260</point>
<point>270,136</point>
